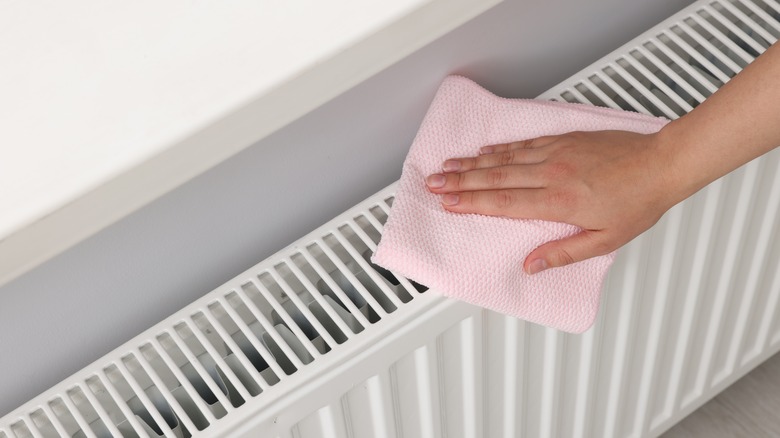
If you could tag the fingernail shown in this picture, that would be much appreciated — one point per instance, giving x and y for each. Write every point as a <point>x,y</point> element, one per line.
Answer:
<point>436,181</point>
<point>537,265</point>
<point>487,150</point>
<point>451,165</point>
<point>450,199</point>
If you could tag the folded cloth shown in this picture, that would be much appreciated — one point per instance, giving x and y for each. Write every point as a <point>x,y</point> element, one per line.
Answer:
<point>477,258</point>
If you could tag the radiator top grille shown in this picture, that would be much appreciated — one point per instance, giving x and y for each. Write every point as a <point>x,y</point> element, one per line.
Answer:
<point>260,329</point>
<point>683,61</point>
<point>249,335</point>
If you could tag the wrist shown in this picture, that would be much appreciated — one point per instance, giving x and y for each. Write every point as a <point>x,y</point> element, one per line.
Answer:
<point>681,173</point>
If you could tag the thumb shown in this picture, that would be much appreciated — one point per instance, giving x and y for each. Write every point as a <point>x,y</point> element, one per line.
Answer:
<point>557,253</point>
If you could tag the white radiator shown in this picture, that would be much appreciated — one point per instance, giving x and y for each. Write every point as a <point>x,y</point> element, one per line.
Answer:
<point>315,342</point>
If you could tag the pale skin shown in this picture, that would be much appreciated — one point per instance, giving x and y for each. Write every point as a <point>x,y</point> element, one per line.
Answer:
<point>616,184</point>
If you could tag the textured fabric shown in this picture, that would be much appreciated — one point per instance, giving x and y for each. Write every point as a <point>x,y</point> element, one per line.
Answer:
<point>476,258</point>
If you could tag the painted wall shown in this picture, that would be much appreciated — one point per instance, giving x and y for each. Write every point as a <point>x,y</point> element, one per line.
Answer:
<point>87,301</point>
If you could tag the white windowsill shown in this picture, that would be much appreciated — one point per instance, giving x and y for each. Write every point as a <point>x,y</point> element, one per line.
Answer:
<point>107,106</point>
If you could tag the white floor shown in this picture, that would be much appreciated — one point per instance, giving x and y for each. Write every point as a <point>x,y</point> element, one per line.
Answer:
<point>748,408</point>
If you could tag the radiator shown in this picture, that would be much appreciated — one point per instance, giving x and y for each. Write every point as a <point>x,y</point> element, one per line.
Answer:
<point>316,341</point>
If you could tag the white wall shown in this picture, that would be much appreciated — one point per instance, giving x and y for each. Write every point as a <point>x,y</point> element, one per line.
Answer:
<point>87,301</point>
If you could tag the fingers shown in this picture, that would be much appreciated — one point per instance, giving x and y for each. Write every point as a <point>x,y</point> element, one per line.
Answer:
<point>506,158</point>
<point>513,203</point>
<point>503,177</point>
<point>522,144</point>
<point>518,152</point>
<point>577,248</point>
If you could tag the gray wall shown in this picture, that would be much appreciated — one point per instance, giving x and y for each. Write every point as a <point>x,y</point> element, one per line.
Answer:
<point>84,303</point>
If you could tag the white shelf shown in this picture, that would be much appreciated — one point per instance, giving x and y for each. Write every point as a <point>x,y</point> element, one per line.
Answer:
<point>107,106</point>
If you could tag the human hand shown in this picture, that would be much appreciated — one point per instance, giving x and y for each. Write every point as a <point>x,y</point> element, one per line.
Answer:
<point>615,184</point>
<point>612,184</point>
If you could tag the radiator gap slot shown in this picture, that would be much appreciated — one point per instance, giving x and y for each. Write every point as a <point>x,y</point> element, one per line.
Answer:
<point>700,23</point>
<point>205,388</point>
<point>219,352</point>
<point>148,404</point>
<point>373,282</point>
<point>138,420</point>
<point>665,88</point>
<point>569,97</point>
<point>714,49</point>
<point>355,278</point>
<point>376,221</point>
<point>252,364</point>
<point>202,369</point>
<point>723,20</point>
<point>609,93</point>
<point>761,16</point>
<point>748,22</point>
<point>20,430</point>
<point>84,412</point>
<point>335,286</point>
<point>359,230</point>
<point>643,101</point>
<point>379,213</point>
<point>39,420</point>
<point>105,415</point>
<point>650,89</point>
<point>247,333</point>
<point>63,415</point>
<point>81,422</point>
<point>265,330</point>
<point>679,78</point>
<point>283,314</point>
<point>236,360</point>
<point>307,299</point>
<point>103,403</point>
<point>677,45</point>
<point>328,308</point>
<point>188,409</point>
<point>611,78</point>
<point>592,98</point>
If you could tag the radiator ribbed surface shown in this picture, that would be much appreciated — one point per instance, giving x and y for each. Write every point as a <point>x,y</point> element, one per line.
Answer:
<point>317,342</point>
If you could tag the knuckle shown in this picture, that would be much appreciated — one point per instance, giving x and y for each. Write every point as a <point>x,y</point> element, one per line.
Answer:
<point>563,203</point>
<point>557,170</point>
<point>460,181</point>
<point>466,200</point>
<point>496,176</point>
<point>569,140</point>
<point>483,161</point>
<point>506,158</point>
<point>503,199</point>
<point>563,257</point>
<point>523,143</point>
<point>558,197</point>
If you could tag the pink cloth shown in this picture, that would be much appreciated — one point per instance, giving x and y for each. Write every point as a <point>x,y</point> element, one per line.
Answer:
<point>476,258</point>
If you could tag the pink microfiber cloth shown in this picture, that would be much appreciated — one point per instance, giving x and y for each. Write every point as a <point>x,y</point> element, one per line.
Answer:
<point>476,258</point>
